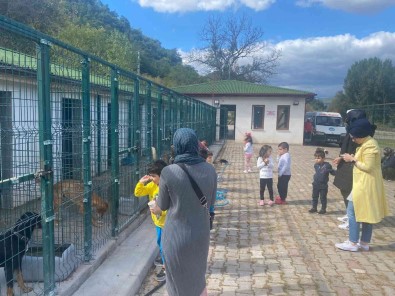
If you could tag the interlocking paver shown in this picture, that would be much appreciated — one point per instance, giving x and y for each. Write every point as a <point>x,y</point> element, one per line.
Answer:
<point>284,250</point>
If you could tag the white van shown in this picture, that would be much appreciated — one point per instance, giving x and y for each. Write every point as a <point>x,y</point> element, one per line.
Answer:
<point>328,127</point>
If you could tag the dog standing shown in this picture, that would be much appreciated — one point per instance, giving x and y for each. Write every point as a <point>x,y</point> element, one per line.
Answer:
<point>73,191</point>
<point>13,246</point>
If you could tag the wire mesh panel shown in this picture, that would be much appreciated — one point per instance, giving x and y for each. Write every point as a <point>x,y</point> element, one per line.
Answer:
<point>383,116</point>
<point>20,221</point>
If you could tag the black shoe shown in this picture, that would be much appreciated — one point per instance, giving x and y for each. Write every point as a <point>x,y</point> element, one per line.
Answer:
<point>313,210</point>
<point>322,211</point>
<point>158,261</point>
<point>161,276</point>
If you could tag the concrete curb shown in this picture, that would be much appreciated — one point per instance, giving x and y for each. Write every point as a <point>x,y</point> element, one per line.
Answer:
<point>120,266</point>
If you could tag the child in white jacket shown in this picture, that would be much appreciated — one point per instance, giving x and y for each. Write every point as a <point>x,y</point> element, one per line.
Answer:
<point>265,165</point>
<point>248,153</point>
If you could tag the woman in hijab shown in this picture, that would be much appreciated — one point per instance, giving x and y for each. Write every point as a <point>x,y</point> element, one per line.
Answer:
<point>343,177</point>
<point>367,204</point>
<point>186,235</point>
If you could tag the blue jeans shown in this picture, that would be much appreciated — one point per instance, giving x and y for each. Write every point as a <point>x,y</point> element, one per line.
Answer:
<point>354,227</point>
<point>159,242</point>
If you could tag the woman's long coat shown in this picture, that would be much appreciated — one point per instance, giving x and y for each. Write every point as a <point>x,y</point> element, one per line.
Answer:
<point>368,195</point>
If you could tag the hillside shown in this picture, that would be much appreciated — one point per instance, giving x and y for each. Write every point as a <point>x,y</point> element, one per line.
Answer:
<point>93,27</point>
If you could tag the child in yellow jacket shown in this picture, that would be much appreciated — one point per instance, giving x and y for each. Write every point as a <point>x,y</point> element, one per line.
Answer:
<point>149,185</point>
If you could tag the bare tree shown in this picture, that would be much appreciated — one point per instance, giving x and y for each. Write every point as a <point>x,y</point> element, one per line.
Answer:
<point>234,49</point>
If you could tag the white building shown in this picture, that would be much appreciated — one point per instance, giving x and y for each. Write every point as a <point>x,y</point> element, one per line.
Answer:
<point>272,114</point>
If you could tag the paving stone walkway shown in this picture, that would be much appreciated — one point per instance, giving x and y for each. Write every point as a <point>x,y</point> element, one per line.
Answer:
<point>284,250</point>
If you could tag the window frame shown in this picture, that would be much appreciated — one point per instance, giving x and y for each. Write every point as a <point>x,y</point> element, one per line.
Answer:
<point>262,117</point>
<point>285,107</point>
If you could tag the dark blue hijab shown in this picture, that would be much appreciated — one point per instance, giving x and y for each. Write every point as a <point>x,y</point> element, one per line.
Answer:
<point>186,147</point>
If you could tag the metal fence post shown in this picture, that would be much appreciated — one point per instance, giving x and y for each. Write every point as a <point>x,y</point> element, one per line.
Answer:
<point>114,151</point>
<point>149,119</point>
<point>46,165</point>
<point>137,133</point>
<point>177,114</point>
<point>160,129</point>
<point>98,134</point>
<point>86,157</point>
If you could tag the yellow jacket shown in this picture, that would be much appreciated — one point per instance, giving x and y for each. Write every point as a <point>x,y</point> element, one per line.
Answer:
<point>152,190</point>
<point>368,195</point>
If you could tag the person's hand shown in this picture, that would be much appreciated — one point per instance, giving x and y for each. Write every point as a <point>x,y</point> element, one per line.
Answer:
<point>337,160</point>
<point>348,157</point>
<point>156,210</point>
<point>145,179</point>
<point>266,161</point>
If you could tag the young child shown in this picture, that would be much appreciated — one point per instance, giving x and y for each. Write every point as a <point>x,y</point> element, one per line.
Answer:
<point>265,166</point>
<point>208,156</point>
<point>284,172</point>
<point>248,152</point>
<point>320,181</point>
<point>149,185</point>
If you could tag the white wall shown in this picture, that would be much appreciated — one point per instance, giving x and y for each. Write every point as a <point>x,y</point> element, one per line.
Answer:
<point>269,134</point>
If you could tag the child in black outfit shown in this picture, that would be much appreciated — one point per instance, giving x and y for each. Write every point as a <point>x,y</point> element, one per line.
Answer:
<point>320,181</point>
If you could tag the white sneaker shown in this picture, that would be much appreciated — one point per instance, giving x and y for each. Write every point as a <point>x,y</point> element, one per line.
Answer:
<point>347,246</point>
<point>343,226</point>
<point>343,219</point>
<point>363,247</point>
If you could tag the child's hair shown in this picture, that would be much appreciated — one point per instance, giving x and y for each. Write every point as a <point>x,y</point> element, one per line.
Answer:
<point>320,154</point>
<point>284,145</point>
<point>321,149</point>
<point>264,149</point>
<point>156,167</point>
<point>248,138</point>
<point>209,153</point>
<point>203,153</point>
<point>388,151</point>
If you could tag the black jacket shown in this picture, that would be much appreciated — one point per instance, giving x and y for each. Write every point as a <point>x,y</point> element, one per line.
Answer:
<point>321,176</point>
<point>343,177</point>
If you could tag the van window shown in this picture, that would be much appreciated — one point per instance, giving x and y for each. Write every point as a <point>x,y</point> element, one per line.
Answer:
<point>329,121</point>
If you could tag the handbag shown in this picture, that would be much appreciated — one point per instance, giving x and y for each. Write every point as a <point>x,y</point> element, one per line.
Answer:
<point>202,198</point>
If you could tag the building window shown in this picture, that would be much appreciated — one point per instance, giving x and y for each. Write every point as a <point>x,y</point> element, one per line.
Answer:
<point>258,116</point>
<point>283,117</point>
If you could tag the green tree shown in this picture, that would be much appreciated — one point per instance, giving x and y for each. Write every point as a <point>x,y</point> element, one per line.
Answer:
<point>182,75</point>
<point>233,49</point>
<point>91,26</point>
<point>111,46</point>
<point>370,81</point>
<point>39,14</point>
<point>340,103</point>
<point>315,105</point>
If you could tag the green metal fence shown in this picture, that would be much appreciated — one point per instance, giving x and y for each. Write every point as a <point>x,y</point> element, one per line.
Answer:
<point>76,135</point>
<point>383,116</point>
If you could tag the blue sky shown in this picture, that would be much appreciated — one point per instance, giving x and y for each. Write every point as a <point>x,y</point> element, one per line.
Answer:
<point>319,39</point>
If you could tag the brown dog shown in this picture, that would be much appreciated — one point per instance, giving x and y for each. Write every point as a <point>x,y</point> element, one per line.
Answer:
<point>73,191</point>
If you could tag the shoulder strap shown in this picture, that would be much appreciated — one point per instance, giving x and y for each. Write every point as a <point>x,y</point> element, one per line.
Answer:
<point>202,198</point>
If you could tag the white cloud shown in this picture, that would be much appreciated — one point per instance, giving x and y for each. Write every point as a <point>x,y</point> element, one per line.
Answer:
<point>258,4</point>
<point>320,64</point>
<point>355,6</point>
<point>172,6</point>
